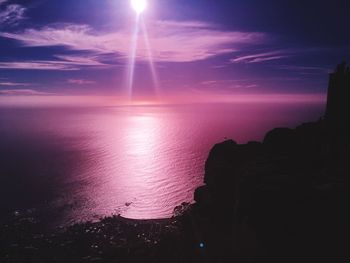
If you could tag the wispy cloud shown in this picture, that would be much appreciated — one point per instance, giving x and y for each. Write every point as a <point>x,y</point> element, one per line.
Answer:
<point>62,62</point>
<point>22,92</point>
<point>306,69</point>
<point>171,41</point>
<point>262,57</point>
<point>229,84</point>
<point>39,65</point>
<point>82,60</point>
<point>10,14</point>
<point>81,81</point>
<point>257,60</point>
<point>13,84</point>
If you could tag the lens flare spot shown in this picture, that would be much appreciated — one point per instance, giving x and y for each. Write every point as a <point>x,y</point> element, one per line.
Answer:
<point>139,5</point>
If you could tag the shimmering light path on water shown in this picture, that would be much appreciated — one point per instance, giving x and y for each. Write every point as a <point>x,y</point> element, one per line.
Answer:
<point>138,161</point>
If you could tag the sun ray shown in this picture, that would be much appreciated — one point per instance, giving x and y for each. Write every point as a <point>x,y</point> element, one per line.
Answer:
<point>140,26</point>
<point>132,58</point>
<point>150,59</point>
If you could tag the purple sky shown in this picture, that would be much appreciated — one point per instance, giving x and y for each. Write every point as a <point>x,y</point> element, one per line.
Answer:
<point>198,47</point>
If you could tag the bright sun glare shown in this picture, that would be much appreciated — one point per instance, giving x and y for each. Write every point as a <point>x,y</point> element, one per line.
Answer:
<point>139,5</point>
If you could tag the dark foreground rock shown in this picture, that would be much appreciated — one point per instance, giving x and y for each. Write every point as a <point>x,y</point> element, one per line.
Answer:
<point>283,200</point>
<point>112,239</point>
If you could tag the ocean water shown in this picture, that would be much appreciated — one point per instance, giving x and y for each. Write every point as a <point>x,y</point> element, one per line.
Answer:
<point>136,161</point>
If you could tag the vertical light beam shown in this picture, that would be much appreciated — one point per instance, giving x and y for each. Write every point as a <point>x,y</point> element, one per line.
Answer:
<point>139,6</point>
<point>132,57</point>
<point>150,59</point>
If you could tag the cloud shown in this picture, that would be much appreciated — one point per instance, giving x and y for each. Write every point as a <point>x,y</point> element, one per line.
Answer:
<point>257,60</point>
<point>229,84</point>
<point>262,57</point>
<point>39,65</point>
<point>171,41</point>
<point>305,69</point>
<point>83,60</point>
<point>10,14</point>
<point>21,92</point>
<point>11,84</point>
<point>81,81</point>
<point>63,62</point>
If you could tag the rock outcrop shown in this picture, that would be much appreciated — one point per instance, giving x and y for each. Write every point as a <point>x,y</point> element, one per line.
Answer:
<point>282,200</point>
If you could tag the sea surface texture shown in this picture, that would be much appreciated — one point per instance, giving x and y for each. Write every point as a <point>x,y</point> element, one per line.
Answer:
<point>136,161</point>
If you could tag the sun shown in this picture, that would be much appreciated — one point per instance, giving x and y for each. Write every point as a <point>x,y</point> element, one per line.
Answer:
<point>139,5</point>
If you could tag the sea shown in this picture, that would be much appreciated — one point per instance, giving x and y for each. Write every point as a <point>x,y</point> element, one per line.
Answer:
<point>139,161</point>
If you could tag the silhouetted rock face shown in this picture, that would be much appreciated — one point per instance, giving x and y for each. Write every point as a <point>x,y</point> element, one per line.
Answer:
<point>222,170</point>
<point>287,191</point>
<point>337,112</point>
<point>284,154</point>
<point>280,140</point>
<point>337,116</point>
<point>283,199</point>
<point>288,161</point>
<point>220,164</point>
<point>202,196</point>
<point>306,141</point>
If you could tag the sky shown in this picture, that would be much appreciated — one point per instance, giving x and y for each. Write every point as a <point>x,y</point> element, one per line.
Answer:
<point>184,48</point>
